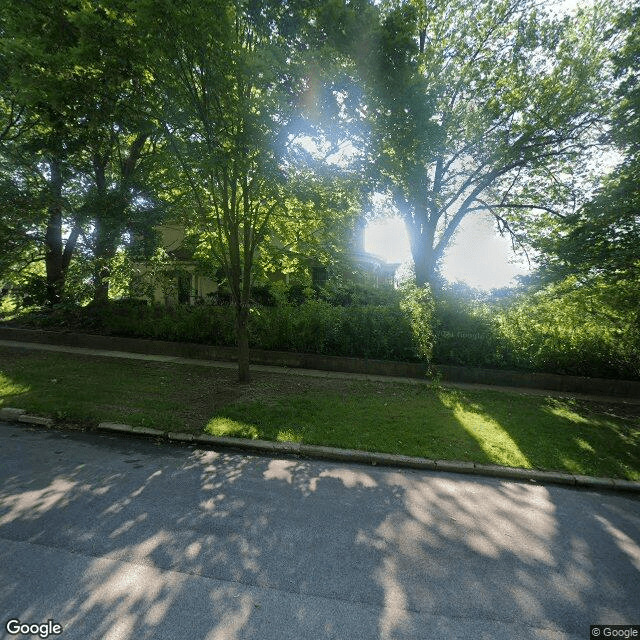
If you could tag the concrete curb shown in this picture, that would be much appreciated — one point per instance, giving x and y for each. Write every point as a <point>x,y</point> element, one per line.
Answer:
<point>8,413</point>
<point>350,455</point>
<point>39,420</point>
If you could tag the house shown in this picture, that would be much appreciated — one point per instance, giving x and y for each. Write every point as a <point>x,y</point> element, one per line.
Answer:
<point>177,280</point>
<point>181,280</point>
<point>377,272</point>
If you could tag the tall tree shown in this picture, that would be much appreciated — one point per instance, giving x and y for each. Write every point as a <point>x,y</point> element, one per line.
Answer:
<point>602,238</point>
<point>227,75</point>
<point>121,136</point>
<point>75,74</point>
<point>17,231</point>
<point>479,107</point>
<point>43,84</point>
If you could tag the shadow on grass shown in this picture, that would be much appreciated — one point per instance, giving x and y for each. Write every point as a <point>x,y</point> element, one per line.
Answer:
<point>485,427</point>
<point>368,421</point>
<point>87,389</point>
<point>548,433</point>
<point>118,538</point>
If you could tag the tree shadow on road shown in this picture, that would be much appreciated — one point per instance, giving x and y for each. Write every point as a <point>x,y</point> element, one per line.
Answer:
<point>120,538</point>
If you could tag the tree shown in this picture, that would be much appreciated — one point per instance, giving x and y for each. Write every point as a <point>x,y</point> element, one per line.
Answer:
<point>479,107</point>
<point>582,311</point>
<point>77,130</point>
<point>121,137</point>
<point>229,88</point>
<point>316,223</point>
<point>602,238</point>
<point>17,231</point>
<point>626,116</point>
<point>36,48</point>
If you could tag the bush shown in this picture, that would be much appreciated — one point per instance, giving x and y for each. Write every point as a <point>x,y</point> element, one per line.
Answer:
<point>206,324</point>
<point>347,295</point>
<point>418,306</point>
<point>565,328</point>
<point>467,333</point>
<point>401,331</point>
<point>572,328</point>
<point>319,327</point>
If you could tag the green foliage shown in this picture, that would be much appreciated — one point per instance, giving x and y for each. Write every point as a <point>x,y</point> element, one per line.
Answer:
<point>204,324</point>
<point>577,329</point>
<point>110,109</point>
<point>466,332</point>
<point>349,321</point>
<point>337,292</point>
<point>480,106</point>
<point>319,327</point>
<point>399,331</point>
<point>569,328</point>
<point>584,318</point>
<point>626,114</point>
<point>229,77</point>
<point>76,136</point>
<point>602,239</point>
<point>347,294</point>
<point>418,306</point>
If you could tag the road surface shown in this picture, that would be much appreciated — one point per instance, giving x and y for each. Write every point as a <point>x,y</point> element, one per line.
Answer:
<point>123,538</point>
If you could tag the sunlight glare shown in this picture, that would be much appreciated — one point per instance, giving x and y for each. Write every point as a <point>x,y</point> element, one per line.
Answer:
<point>478,256</point>
<point>387,238</point>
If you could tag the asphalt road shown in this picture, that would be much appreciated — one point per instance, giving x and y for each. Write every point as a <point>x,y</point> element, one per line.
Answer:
<point>120,538</point>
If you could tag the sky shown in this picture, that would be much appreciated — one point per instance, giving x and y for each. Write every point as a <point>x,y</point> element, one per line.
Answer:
<point>478,256</point>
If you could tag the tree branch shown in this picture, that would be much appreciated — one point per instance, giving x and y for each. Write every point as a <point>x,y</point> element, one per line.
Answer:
<point>513,205</point>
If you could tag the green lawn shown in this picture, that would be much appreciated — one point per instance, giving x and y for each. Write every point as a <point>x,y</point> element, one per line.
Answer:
<point>481,426</point>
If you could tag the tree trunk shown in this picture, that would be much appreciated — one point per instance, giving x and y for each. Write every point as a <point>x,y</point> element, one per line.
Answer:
<point>110,220</point>
<point>242,332</point>
<point>103,243</point>
<point>101,274</point>
<point>428,275</point>
<point>101,286</point>
<point>104,252</point>
<point>53,238</point>
<point>425,273</point>
<point>421,238</point>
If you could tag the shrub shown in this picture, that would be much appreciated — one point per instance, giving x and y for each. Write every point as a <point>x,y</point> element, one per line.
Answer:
<point>346,295</point>
<point>418,306</point>
<point>574,329</point>
<point>319,327</point>
<point>565,328</point>
<point>206,324</point>
<point>467,333</point>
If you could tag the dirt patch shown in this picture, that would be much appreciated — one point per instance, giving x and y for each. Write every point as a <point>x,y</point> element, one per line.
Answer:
<point>220,387</point>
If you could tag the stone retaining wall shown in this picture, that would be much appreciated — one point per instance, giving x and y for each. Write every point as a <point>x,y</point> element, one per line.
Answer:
<point>553,382</point>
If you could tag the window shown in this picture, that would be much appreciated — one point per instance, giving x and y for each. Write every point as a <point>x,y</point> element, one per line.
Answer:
<point>318,276</point>
<point>184,288</point>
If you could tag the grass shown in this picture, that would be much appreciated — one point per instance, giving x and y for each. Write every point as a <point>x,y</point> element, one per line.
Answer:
<point>481,426</point>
